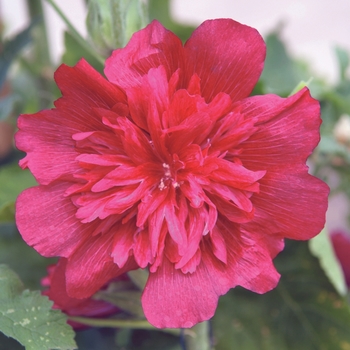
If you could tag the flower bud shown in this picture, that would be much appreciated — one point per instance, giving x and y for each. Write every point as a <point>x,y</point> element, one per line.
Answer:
<point>111,23</point>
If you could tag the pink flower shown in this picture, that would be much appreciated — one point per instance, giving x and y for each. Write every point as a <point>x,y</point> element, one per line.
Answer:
<point>55,281</point>
<point>169,165</point>
<point>341,246</point>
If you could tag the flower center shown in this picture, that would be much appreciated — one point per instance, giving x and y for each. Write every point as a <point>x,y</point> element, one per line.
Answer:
<point>170,174</point>
<point>167,180</point>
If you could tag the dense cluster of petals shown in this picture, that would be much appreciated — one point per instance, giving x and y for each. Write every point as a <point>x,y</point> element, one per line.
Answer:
<point>169,165</point>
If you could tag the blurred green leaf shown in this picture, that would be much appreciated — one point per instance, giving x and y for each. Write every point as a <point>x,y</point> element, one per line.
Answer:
<point>281,74</point>
<point>321,247</point>
<point>160,10</point>
<point>303,313</point>
<point>12,48</point>
<point>13,181</point>
<point>329,145</point>
<point>27,316</point>
<point>7,213</point>
<point>74,52</point>
<point>129,301</point>
<point>343,61</point>
<point>22,258</point>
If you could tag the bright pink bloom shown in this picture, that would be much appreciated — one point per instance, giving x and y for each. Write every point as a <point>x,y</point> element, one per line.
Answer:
<point>341,245</point>
<point>56,283</point>
<point>169,165</point>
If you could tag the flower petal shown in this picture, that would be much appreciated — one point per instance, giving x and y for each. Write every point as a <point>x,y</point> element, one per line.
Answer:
<point>47,136</point>
<point>46,220</point>
<point>91,266</point>
<point>227,56</point>
<point>288,128</point>
<point>175,299</point>
<point>149,48</point>
<point>291,202</point>
<point>49,146</point>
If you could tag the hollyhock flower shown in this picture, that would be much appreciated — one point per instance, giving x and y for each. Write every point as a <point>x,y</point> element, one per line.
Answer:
<point>169,165</point>
<point>341,246</point>
<point>56,291</point>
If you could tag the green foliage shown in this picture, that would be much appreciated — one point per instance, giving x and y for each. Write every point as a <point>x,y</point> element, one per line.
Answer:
<point>27,316</point>
<point>14,252</point>
<point>16,181</point>
<point>303,313</point>
<point>74,52</point>
<point>160,10</point>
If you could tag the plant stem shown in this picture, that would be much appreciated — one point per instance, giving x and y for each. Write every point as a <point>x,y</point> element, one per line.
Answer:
<point>75,33</point>
<point>197,337</point>
<point>118,323</point>
<point>42,47</point>
<point>41,53</point>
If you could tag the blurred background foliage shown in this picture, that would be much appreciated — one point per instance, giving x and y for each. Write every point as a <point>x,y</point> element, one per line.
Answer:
<point>310,307</point>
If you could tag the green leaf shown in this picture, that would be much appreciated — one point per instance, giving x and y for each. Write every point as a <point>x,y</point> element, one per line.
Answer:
<point>14,180</point>
<point>321,247</point>
<point>281,74</point>
<point>7,213</point>
<point>303,313</point>
<point>27,316</point>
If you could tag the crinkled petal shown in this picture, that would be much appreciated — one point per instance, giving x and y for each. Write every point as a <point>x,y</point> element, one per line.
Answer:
<point>50,148</point>
<point>291,202</point>
<point>150,47</point>
<point>288,129</point>
<point>91,266</point>
<point>123,242</point>
<point>175,299</point>
<point>46,220</point>
<point>46,136</point>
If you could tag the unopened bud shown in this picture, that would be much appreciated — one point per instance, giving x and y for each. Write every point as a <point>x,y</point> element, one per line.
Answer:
<point>111,23</point>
